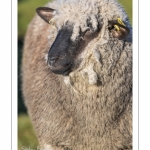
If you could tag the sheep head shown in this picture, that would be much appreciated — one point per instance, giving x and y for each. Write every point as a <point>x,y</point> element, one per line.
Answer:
<point>62,55</point>
<point>83,37</point>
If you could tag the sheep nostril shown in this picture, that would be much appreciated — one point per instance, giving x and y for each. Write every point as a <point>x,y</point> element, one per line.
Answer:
<point>53,59</point>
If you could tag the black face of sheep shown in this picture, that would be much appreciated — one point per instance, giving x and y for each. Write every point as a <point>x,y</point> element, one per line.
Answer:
<point>63,52</point>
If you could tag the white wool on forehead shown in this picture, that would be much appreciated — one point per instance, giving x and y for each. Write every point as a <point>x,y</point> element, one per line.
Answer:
<point>77,12</point>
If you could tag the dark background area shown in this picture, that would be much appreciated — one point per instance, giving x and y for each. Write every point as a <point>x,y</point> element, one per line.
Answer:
<point>26,11</point>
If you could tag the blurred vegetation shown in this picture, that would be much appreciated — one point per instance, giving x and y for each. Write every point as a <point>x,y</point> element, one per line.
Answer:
<point>127,4</point>
<point>26,11</point>
<point>26,134</point>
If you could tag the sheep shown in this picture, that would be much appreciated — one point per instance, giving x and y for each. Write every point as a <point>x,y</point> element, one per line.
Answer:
<point>77,75</point>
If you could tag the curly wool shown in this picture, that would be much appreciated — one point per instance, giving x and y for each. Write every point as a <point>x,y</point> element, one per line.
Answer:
<point>79,12</point>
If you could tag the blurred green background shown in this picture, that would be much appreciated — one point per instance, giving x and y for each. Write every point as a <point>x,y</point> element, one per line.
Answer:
<point>26,11</point>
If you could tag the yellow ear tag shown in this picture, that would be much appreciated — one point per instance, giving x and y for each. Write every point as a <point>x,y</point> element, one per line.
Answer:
<point>117,27</point>
<point>120,22</point>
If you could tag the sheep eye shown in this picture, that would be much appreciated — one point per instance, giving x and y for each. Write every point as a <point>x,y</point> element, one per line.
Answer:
<point>88,33</point>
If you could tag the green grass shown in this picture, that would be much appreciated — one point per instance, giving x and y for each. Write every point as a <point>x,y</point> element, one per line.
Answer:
<point>127,4</point>
<point>26,134</point>
<point>26,11</point>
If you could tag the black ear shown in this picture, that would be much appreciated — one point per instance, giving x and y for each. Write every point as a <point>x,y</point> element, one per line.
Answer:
<point>45,13</point>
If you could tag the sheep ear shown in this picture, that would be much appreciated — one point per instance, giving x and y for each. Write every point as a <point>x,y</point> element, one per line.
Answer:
<point>45,13</point>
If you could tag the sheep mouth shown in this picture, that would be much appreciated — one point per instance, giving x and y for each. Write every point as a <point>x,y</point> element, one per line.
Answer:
<point>62,70</point>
